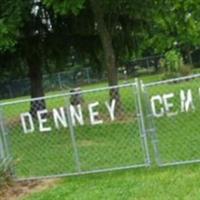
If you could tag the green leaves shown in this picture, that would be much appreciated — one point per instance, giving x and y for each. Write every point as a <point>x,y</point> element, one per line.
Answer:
<point>10,22</point>
<point>65,6</point>
<point>175,21</point>
<point>173,61</point>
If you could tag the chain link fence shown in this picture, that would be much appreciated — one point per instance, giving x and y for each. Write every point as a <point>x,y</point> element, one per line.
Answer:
<point>77,133</point>
<point>51,82</point>
<point>103,129</point>
<point>77,76</point>
<point>172,119</point>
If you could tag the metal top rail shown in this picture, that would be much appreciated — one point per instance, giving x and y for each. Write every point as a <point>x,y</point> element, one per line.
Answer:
<point>171,80</point>
<point>67,94</point>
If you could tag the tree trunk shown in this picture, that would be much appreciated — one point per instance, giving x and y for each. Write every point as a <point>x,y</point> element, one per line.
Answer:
<point>110,58</point>
<point>106,41</point>
<point>34,62</point>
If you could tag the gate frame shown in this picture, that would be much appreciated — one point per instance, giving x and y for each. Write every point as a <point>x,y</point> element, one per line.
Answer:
<point>140,91</point>
<point>153,130</point>
<point>140,114</point>
<point>5,147</point>
<point>135,86</point>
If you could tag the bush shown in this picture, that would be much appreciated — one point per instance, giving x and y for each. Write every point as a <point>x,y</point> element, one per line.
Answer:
<point>173,61</point>
<point>173,66</point>
<point>185,70</point>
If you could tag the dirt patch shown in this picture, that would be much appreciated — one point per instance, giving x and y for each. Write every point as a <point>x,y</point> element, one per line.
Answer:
<point>19,190</point>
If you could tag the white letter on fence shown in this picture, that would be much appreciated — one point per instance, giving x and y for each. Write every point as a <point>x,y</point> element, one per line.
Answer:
<point>94,115</point>
<point>76,114</point>
<point>41,114</point>
<point>186,101</point>
<point>59,117</point>
<point>168,105</point>
<point>153,106</point>
<point>30,120</point>
<point>111,109</point>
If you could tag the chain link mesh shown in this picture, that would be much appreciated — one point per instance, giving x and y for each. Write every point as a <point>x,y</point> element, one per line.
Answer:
<point>103,129</point>
<point>175,107</point>
<point>76,133</point>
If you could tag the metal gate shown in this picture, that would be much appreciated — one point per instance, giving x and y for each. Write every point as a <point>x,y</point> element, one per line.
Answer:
<point>102,129</point>
<point>75,133</point>
<point>172,119</point>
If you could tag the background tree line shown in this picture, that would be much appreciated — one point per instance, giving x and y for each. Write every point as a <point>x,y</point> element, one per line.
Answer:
<point>42,36</point>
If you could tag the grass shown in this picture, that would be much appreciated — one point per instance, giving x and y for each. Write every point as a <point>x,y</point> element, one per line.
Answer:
<point>181,183</point>
<point>44,154</point>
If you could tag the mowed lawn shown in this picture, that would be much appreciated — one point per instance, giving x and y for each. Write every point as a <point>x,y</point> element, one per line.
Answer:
<point>177,183</point>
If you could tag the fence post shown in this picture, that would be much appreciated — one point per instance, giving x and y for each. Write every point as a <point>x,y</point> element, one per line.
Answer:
<point>2,153</point>
<point>152,127</point>
<point>3,134</point>
<point>59,80</point>
<point>73,137</point>
<point>88,74</point>
<point>5,144</point>
<point>10,91</point>
<point>142,122</point>
<point>148,65</point>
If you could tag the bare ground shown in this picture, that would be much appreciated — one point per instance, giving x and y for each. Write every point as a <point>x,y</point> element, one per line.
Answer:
<point>19,190</point>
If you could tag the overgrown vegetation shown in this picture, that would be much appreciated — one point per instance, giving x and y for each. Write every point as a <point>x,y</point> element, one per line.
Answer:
<point>172,65</point>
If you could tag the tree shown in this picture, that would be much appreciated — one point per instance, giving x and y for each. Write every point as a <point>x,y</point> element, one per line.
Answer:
<point>26,27</point>
<point>18,33</point>
<point>109,21</point>
<point>177,30</point>
<point>36,44</point>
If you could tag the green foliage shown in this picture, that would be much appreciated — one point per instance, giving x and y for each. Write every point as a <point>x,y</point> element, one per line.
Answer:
<point>173,61</point>
<point>137,28</point>
<point>172,64</point>
<point>10,22</point>
<point>7,39</point>
<point>179,29</point>
<point>66,6</point>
